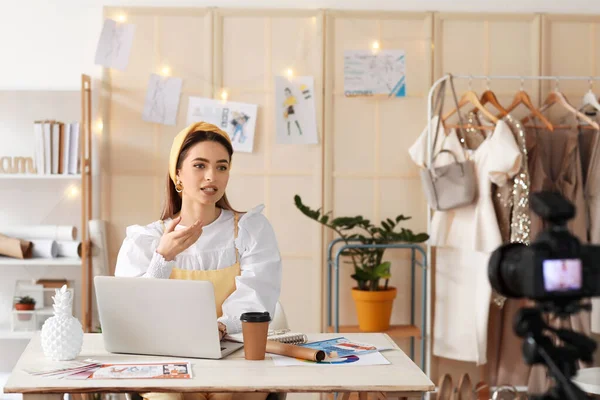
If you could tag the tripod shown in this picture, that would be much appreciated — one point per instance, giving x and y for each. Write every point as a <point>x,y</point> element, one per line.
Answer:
<point>561,361</point>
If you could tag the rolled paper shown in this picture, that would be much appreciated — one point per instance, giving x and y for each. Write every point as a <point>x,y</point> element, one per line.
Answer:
<point>68,249</point>
<point>44,249</point>
<point>291,350</point>
<point>41,232</point>
<point>13,247</point>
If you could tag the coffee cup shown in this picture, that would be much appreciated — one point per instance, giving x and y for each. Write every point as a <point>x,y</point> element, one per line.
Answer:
<point>255,328</point>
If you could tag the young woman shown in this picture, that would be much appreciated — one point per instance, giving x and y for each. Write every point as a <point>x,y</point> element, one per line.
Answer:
<point>200,236</point>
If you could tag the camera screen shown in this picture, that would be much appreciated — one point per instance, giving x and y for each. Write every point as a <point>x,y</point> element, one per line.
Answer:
<point>562,275</point>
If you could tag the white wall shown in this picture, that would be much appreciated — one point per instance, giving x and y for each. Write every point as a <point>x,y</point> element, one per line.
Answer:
<point>48,44</point>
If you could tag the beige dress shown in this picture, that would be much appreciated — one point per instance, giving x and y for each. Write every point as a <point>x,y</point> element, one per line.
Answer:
<point>554,164</point>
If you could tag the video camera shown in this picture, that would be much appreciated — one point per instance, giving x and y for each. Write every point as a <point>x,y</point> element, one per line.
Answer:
<point>555,266</point>
<point>557,272</point>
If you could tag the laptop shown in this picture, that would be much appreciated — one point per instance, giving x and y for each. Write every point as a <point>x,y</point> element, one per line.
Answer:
<point>163,317</point>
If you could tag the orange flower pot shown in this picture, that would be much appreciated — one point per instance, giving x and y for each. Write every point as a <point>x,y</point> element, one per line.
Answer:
<point>24,307</point>
<point>374,308</point>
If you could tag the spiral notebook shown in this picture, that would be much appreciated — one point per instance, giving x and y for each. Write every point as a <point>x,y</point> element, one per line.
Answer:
<point>280,335</point>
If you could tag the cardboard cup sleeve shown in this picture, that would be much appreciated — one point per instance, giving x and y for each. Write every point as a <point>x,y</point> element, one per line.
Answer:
<point>291,350</point>
<point>15,248</point>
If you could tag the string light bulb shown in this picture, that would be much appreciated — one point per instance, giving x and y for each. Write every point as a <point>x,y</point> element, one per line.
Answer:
<point>224,95</point>
<point>290,72</point>
<point>122,18</point>
<point>166,71</point>
<point>99,126</point>
<point>73,191</point>
<point>375,45</point>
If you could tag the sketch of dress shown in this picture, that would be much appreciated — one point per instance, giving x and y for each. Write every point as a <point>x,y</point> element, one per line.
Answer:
<point>162,99</point>
<point>158,108</point>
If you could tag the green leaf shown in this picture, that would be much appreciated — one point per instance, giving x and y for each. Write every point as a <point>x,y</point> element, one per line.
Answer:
<point>402,218</point>
<point>386,226</point>
<point>382,271</point>
<point>324,219</point>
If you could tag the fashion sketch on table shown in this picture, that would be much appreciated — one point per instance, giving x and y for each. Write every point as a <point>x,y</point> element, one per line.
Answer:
<point>464,238</point>
<point>200,236</point>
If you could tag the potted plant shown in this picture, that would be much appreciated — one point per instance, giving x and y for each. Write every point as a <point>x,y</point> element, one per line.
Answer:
<point>372,295</point>
<point>24,303</point>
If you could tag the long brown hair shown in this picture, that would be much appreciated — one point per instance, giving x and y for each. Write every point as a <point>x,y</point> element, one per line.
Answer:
<point>173,199</point>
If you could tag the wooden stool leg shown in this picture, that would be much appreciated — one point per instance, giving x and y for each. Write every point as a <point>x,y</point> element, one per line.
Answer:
<point>363,396</point>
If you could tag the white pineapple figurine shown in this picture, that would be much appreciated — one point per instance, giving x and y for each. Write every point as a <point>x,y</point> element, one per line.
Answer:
<point>62,335</point>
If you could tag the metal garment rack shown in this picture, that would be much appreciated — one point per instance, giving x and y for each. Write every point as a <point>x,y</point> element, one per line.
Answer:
<point>334,263</point>
<point>557,79</point>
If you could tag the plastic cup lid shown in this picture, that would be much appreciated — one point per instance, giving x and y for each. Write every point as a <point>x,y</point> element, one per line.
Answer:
<point>255,317</point>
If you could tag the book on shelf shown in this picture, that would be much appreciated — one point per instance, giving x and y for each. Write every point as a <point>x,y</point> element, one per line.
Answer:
<point>56,147</point>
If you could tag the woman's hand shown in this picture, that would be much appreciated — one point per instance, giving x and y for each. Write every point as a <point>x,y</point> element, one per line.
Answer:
<point>222,330</point>
<point>174,242</point>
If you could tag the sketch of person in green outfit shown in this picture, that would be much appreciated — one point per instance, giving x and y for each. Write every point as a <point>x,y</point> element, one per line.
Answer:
<point>289,113</point>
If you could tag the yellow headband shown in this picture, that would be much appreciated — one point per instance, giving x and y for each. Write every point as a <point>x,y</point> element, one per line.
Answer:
<point>180,138</point>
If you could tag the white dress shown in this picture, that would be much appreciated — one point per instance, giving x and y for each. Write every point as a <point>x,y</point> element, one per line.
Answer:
<point>258,286</point>
<point>464,238</point>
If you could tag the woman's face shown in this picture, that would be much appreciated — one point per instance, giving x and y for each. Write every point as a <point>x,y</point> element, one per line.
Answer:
<point>204,172</point>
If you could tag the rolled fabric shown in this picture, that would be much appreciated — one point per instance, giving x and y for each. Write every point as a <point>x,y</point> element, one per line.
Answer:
<point>15,248</point>
<point>41,232</point>
<point>291,350</point>
<point>68,249</point>
<point>44,249</point>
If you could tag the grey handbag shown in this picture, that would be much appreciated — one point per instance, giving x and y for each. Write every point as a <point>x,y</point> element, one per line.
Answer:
<point>453,185</point>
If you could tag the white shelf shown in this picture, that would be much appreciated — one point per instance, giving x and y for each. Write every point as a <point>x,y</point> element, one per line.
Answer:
<point>59,261</point>
<point>41,177</point>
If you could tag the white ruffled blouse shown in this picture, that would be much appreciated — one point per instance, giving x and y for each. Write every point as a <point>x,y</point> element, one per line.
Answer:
<point>257,287</point>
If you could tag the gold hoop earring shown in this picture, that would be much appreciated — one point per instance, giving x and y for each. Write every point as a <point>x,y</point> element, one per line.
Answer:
<point>178,187</point>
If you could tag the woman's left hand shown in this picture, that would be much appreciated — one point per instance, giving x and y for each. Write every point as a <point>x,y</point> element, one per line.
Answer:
<point>222,330</point>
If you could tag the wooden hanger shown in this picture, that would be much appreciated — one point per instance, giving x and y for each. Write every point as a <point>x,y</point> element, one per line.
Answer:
<point>471,97</point>
<point>523,98</point>
<point>490,97</point>
<point>557,97</point>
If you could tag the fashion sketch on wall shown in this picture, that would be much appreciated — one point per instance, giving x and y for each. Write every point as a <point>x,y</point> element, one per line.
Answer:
<point>162,99</point>
<point>114,45</point>
<point>237,119</point>
<point>368,73</point>
<point>295,114</point>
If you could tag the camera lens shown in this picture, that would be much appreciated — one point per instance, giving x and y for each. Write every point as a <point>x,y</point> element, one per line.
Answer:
<point>508,269</point>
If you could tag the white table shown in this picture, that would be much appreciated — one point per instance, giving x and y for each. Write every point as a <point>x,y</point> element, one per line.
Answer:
<point>402,378</point>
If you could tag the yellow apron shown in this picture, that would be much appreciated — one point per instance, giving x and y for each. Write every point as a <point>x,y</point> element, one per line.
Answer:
<point>223,280</point>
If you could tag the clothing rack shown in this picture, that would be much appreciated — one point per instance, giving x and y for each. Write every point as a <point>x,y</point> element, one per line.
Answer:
<point>557,79</point>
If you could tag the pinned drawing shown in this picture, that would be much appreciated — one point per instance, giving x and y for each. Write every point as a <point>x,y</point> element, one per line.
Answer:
<point>368,73</point>
<point>237,119</point>
<point>114,45</point>
<point>162,99</point>
<point>295,118</point>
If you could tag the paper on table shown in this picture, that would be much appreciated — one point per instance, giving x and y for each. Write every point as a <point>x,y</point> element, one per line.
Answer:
<point>363,359</point>
<point>159,370</point>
